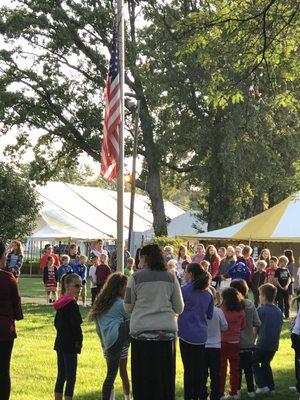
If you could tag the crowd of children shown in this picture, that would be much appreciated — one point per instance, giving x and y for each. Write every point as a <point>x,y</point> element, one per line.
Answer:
<point>218,325</point>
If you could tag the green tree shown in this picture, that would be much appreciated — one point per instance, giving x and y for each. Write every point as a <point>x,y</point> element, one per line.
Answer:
<point>18,203</point>
<point>53,71</point>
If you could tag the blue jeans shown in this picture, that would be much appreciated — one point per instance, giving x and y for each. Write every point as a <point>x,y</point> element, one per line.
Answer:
<point>66,372</point>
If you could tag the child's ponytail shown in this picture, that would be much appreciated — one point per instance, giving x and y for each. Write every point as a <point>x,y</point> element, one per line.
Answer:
<point>66,279</point>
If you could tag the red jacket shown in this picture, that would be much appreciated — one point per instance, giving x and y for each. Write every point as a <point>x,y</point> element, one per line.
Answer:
<point>102,273</point>
<point>236,323</point>
<point>45,258</point>
<point>10,305</point>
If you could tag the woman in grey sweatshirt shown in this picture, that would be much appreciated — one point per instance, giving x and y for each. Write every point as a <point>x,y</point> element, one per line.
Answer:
<point>153,298</point>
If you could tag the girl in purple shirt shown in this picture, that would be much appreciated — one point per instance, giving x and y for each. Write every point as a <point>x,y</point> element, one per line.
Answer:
<point>192,329</point>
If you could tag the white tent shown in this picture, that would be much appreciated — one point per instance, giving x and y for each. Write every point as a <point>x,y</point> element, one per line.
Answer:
<point>86,213</point>
<point>184,224</point>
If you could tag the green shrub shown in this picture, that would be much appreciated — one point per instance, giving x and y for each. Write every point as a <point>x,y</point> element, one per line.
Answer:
<point>35,268</point>
<point>163,241</point>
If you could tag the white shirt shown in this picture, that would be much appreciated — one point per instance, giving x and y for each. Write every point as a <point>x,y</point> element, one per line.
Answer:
<point>217,324</point>
<point>92,275</point>
<point>99,253</point>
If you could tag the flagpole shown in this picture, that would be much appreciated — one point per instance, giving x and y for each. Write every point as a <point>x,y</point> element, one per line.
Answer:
<point>120,177</point>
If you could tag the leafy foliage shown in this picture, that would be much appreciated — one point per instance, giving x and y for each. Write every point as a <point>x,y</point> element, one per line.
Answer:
<point>18,203</point>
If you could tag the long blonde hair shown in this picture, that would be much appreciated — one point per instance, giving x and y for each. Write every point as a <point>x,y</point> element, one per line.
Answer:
<point>19,248</point>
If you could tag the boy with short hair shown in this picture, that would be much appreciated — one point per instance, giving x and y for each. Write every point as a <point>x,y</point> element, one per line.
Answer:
<point>102,272</point>
<point>282,279</point>
<point>73,254</point>
<point>259,278</point>
<point>81,270</point>
<point>65,267</point>
<point>267,340</point>
<point>129,269</point>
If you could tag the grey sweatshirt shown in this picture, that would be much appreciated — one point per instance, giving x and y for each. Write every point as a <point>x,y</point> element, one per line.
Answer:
<point>153,298</point>
<point>252,320</point>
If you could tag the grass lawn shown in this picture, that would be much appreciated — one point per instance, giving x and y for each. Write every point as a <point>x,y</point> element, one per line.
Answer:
<point>34,363</point>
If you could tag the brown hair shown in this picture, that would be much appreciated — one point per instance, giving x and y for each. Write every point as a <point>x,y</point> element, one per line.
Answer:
<point>50,258</point>
<point>269,291</point>
<point>240,285</point>
<point>200,278</point>
<point>232,299</point>
<point>67,279</point>
<point>111,290</point>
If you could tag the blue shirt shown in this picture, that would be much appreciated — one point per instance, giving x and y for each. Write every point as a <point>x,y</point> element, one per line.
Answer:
<point>198,308</point>
<point>270,328</point>
<point>64,269</point>
<point>81,270</point>
<point>108,324</point>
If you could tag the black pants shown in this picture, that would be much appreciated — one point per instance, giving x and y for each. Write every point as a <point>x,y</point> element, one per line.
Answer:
<point>153,369</point>
<point>193,359</point>
<point>212,368</point>
<point>296,347</point>
<point>5,357</point>
<point>94,292</point>
<point>66,372</point>
<point>261,361</point>
<point>255,292</point>
<point>113,355</point>
<point>283,301</point>
<point>246,366</point>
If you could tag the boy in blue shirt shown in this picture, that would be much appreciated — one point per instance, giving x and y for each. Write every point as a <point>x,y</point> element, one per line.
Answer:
<point>65,267</point>
<point>268,338</point>
<point>81,270</point>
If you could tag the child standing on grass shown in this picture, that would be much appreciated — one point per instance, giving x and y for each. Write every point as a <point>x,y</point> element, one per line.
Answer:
<point>81,270</point>
<point>93,278</point>
<point>282,280</point>
<point>192,329</point>
<point>248,335</point>
<point>50,279</point>
<point>233,306</point>
<point>268,339</point>
<point>212,357</point>
<point>68,342</point>
<point>112,325</point>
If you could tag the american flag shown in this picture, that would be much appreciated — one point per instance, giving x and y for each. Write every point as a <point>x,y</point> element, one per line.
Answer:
<point>112,116</point>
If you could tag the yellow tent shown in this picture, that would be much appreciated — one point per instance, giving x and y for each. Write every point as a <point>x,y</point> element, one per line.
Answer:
<point>280,223</point>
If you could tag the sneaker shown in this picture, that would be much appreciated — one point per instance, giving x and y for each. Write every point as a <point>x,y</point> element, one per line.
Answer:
<point>262,390</point>
<point>251,394</point>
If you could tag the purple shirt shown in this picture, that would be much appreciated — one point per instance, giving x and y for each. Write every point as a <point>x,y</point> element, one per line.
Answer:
<point>198,308</point>
<point>198,258</point>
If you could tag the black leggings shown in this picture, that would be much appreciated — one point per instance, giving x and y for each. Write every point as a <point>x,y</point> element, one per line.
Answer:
<point>66,372</point>
<point>113,355</point>
<point>5,356</point>
<point>193,359</point>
